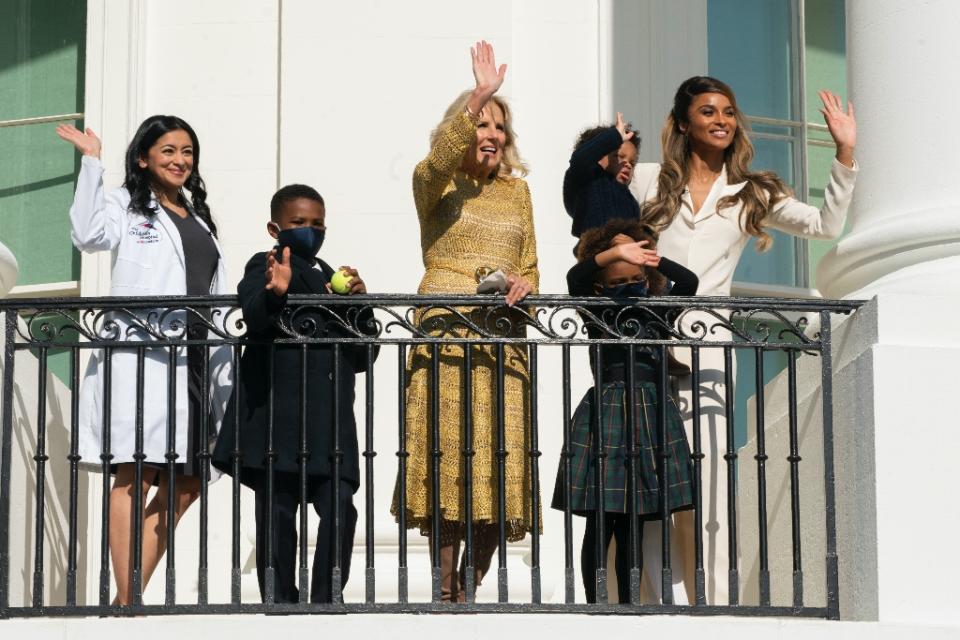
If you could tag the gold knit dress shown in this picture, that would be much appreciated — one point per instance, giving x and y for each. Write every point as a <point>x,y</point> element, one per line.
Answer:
<point>466,223</point>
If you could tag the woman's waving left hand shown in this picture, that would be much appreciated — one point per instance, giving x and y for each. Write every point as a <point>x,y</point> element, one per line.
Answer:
<point>842,125</point>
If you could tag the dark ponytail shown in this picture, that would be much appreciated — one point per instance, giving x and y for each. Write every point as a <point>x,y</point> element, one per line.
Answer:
<point>137,179</point>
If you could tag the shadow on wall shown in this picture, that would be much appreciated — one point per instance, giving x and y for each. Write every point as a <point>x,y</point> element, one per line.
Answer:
<point>25,560</point>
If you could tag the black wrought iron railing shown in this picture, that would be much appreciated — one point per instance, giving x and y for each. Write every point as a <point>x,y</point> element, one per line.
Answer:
<point>55,548</point>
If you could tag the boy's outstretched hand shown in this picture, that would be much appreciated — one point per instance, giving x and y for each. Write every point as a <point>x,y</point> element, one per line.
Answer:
<point>357,285</point>
<point>278,272</point>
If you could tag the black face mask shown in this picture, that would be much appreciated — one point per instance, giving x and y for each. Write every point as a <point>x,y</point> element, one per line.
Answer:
<point>626,290</point>
<point>303,241</point>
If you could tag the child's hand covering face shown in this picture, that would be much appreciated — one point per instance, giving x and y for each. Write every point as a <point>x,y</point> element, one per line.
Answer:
<point>636,253</point>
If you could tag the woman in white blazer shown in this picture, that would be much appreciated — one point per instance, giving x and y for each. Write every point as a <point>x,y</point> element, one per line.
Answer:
<point>162,243</point>
<point>707,205</point>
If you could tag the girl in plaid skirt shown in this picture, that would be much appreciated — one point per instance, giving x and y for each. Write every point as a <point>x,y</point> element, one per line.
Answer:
<point>620,260</point>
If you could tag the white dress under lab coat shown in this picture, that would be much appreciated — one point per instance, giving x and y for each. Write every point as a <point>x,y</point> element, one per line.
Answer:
<point>709,243</point>
<point>147,260</point>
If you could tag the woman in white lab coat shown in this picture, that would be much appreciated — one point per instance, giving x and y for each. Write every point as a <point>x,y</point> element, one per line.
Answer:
<point>708,204</point>
<point>162,243</point>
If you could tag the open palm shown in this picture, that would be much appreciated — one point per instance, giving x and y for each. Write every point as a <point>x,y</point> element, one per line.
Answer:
<point>842,124</point>
<point>86,142</point>
<point>489,77</point>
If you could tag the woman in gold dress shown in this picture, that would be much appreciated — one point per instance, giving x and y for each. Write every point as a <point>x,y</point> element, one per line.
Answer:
<point>474,213</point>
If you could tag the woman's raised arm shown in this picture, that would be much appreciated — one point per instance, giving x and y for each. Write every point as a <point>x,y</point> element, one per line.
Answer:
<point>432,175</point>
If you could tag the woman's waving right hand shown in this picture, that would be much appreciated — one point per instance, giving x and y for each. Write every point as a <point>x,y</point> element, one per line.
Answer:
<point>485,71</point>
<point>488,76</point>
<point>87,143</point>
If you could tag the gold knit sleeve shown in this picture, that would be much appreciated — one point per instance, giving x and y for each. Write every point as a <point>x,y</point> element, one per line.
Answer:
<point>432,174</point>
<point>528,251</point>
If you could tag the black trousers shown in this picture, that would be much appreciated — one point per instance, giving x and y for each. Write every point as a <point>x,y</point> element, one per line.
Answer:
<point>614,525</point>
<point>284,556</point>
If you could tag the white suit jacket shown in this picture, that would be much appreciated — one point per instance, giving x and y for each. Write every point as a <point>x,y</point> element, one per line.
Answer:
<point>148,260</point>
<point>710,242</point>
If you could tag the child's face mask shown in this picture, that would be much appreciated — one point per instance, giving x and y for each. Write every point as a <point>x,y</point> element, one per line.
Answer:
<point>626,290</point>
<point>303,241</point>
<point>300,226</point>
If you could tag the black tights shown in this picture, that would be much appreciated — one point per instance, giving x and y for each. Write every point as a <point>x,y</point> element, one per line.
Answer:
<point>614,524</point>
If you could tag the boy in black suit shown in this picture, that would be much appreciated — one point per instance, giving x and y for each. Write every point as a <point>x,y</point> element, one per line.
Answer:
<point>297,222</point>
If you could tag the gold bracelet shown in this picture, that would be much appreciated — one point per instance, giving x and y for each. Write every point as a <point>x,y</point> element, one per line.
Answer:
<point>474,117</point>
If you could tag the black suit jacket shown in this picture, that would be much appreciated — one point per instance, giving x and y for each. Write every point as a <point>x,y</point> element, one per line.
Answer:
<point>249,407</point>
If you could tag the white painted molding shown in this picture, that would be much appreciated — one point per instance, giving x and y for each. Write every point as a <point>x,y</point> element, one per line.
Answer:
<point>113,99</point>
<point>885,247</point>
<point>756,289</point>
<point>46,290</point>
<point>606,67</point>
<point>9,270</point>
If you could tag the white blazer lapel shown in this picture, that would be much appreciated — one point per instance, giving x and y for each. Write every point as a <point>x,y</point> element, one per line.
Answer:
<point>686,207</point>
<point>718,191</point>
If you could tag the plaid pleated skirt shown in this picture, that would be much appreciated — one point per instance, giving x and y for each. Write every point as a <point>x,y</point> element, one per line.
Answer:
<point>613,424</point>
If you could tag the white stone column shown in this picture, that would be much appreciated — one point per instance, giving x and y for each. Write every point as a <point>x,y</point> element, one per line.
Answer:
<point>905,225</point>
<point>895,394</point>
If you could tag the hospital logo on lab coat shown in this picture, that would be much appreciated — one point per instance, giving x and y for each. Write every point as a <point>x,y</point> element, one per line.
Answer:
<point>145,233</point>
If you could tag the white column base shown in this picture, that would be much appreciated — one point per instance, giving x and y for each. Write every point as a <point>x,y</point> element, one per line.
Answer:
<point>895,443</point>
<point>916,253</point>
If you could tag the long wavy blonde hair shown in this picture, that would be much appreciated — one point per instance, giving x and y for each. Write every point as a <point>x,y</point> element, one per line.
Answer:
<point>510,165</point>
<point>764,189</point>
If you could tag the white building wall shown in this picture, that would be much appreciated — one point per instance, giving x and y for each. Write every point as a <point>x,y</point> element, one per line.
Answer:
<point>343,97</point>
<point>349,111</point>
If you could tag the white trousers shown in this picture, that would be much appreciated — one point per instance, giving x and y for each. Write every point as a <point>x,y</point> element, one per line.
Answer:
<point>713,443</point>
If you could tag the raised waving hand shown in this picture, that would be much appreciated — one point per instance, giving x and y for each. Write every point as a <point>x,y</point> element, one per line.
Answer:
<point>487,74</point>
<point>842,125</point>
<point>624,128</point>
<point>86,142</point>
<point>278,271</point>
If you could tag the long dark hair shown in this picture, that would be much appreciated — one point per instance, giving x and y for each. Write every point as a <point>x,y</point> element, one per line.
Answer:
<point>764,189</point>
<point>137,180</point>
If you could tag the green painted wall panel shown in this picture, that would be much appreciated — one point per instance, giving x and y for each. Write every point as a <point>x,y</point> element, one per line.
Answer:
<point>41,57</point>
<point>41,74</point>
<point>42,44</point>
<point>825,69</point>
<point>36,189</point>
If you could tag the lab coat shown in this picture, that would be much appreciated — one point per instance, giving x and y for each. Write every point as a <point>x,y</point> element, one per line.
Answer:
<point>147,260</point>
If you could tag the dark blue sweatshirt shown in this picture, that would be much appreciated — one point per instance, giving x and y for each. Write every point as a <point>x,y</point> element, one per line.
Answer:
<point>592,196</point>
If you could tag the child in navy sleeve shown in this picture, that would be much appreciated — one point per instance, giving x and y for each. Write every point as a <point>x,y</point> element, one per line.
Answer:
<point>268,406</point>
<point>596,185</point>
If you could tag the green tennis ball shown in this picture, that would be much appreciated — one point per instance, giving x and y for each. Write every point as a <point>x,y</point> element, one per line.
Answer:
<point>340,282</point>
